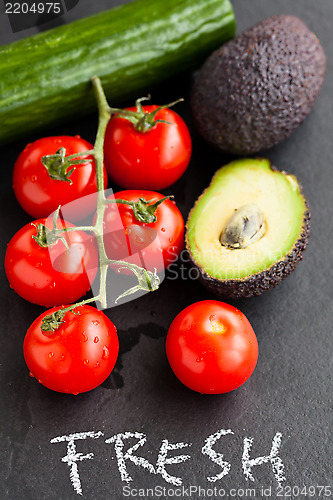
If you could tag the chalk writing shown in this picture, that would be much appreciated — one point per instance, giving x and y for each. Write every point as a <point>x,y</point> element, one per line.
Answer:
<point>73,457</point>
<point>216,457</point>
<point>277,464</point>
<point>127,453</point>
<point>162,461</point>
<point>119,444</point>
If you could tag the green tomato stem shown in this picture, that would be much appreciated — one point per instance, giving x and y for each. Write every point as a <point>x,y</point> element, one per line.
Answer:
<point>81,153</point>
<point>104,117</point>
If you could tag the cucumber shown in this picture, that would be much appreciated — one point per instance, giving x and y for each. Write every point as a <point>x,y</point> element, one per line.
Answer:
<point>45,79</point>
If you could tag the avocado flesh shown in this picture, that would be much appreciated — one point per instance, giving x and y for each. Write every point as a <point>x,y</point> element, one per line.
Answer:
<point>278,196</point>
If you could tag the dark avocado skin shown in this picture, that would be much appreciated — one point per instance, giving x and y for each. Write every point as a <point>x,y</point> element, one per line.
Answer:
<point>254,91</point>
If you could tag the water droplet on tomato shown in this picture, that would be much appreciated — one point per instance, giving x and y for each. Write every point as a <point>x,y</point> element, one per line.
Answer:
<point>97,364</point>
<point>85,361</point>
<point>33,178</point>
<point>96,339</point>
<point>138,160</point>
<point>170,240</point>
<point>212,317</point>
<point>106,353</point>
<point>51,354</point>
<point>163,229</point>
<point>31,374</point>
<point>95,322</point>
<point>198,360</point>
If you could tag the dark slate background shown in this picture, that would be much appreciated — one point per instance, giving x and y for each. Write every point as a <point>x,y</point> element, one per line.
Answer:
<point>291,389</point>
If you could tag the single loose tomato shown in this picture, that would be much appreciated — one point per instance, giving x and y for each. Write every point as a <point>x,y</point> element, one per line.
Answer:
<point>211,347</point>
<point>138,156</point>
<point>147,244</point>
<point>40,195</point>
<point>78,356</point>
<point>51,275</point>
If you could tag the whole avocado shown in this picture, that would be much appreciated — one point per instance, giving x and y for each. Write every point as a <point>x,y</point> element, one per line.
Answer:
<point>254,91</point>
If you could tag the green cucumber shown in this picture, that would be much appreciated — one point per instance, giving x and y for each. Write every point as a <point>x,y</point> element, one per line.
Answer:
<point>45,79</point>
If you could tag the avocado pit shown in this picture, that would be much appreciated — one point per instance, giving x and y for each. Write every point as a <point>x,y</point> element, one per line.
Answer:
<point>244,227</point>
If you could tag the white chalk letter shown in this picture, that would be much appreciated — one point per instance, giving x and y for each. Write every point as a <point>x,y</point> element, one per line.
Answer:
<point>273,458</point>
<point>118,440</point>
<point>215,456</point>
<point>162,461</point>
<point>73,457</point>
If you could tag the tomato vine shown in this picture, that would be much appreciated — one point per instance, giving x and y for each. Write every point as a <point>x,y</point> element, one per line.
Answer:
<point>147,280</point>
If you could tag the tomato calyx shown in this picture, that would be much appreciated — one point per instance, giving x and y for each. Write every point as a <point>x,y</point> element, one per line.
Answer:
<point>57,164</point>
<point>143,210</point>
<point>148,281</point>
<point>141,120</point>
<point>53,321</point>
<point>46,237</point>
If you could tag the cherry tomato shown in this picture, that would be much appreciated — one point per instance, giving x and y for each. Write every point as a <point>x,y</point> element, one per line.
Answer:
<point>40,195</point>
<point>153,245</point>
<point>76,357</point>
<point>52,275</point>
<point>153,159</point>
<point>211,347</point>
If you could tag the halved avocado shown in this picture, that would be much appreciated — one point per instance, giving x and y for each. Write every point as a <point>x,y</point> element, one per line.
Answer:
<point>248,229</point>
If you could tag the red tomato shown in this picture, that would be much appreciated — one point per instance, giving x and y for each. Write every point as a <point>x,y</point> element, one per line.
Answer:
<point>211,347</point>
<point>147,160</point>
<point>76,357</point>
<point>52,275</point>
<point>39,195</point>
<point>153,245</point>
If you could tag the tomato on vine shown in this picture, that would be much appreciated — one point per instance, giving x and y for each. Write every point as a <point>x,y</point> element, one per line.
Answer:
<point>43,178</point>
<point>211,347</point>
<point>146,147</point>
<point>144,228</point>
<point>77,355</point>
<point>47,270</point>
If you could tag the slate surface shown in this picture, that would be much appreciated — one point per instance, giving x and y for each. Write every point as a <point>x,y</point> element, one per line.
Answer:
<point>290,392</point>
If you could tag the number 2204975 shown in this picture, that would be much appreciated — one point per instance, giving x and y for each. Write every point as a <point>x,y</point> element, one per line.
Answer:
<point>304,491</point>
<point>36,8</point>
